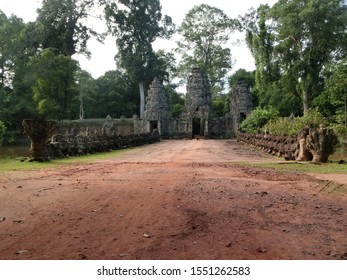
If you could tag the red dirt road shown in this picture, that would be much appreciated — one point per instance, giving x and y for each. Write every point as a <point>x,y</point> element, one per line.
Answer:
<point>171,200</point>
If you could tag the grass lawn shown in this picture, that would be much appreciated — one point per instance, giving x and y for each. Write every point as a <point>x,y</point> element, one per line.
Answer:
<point>9,164</point>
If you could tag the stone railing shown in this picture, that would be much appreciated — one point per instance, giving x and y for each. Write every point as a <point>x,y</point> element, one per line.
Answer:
<point>63,146</point>
<point>312,144</point>
<point>52,139</point>
<point>283,146</point>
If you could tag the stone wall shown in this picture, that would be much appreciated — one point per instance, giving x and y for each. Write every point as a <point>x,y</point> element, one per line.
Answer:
<point>122,126</point>
<point>221,127</point>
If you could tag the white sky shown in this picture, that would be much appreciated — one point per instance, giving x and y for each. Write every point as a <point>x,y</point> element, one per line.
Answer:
<point>102,58</point>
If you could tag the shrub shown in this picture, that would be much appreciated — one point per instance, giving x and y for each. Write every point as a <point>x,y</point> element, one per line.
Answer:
<point>258,118</point>
<point>282,126</point>
<point>293,126</point>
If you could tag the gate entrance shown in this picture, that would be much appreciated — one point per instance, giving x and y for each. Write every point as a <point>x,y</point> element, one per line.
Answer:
<point>153,125</point>
<point>198,127</point>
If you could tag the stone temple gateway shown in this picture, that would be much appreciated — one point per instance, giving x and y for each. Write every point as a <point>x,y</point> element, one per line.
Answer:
<point>198,120</point>
<point>78,137</point>
<point>198,103</point>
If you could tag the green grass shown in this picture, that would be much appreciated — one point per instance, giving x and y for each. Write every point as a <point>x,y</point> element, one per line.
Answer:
<point>17,165</point>
<point>305,167</point>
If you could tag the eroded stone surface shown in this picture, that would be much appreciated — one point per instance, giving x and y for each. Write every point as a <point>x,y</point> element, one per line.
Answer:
<point>240,104</point>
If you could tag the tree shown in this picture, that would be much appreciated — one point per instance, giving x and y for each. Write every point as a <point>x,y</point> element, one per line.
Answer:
<point>336,87</point>
<point>86,88</point>
<point>242,75</point>
<point>258,118</point>
<point>15,85</point>
<point>205,31</point>
<point>137,24</point>
<point>292,49</point>
<point>61,27</point>
<point>55,86</point>
<point>115,94</point>
<point>10,46</point>
<point>304,44</point>
<point>260,40</point>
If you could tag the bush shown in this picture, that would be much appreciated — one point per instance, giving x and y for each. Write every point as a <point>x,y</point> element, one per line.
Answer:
<point>2,132</point>
<point>258,118</point>
<point>293,126</point>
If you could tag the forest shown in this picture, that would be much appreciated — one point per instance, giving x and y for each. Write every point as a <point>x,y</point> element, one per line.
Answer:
<point>299,48</point>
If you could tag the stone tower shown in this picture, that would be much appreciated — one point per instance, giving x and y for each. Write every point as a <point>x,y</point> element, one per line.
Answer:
<point>198,103</point>
<point>157,109</point>
<point>240,104</point>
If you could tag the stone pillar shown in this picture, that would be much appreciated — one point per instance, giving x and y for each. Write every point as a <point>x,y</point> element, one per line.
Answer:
<point>38,131</point>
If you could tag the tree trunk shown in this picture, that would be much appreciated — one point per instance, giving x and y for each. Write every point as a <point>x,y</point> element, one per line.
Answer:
<point>346,111</point>
<point>305,100</point>
<point>142,100</point>
<point>81,107</point>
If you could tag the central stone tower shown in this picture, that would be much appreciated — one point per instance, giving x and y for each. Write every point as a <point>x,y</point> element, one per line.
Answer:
<point>198,103</point>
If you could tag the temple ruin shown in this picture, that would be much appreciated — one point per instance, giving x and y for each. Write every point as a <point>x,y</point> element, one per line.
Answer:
<point>156,110</point>
<point>52,139</point>
<point>240,104</point>
<point>198,120</point>
<point>198,103</point>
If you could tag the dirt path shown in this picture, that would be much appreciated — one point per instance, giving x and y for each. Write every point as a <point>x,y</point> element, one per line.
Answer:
<point>171,200</point>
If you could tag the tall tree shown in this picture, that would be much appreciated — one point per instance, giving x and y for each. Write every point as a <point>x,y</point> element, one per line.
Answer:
<point>292,43</point>
<point>308,33</point>
<point>61,25</point>
<point>260,40</point>
<point>137,24</point>
<point>115,94</point>
<point>55,87</point>
<point>205,31</point>
<point>86,87</point>
<point>336,88</point>
<point>10,46</point>
<point>15,86</point>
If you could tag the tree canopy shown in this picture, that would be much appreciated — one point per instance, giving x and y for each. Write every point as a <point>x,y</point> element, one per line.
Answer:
<point>61,26</point>
<point>136,25</point>
<point>205,32</point>
<point>299,48</point>
<point>292,43</point>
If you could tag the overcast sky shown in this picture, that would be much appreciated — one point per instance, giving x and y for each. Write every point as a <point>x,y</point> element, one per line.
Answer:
<point>102,58</point>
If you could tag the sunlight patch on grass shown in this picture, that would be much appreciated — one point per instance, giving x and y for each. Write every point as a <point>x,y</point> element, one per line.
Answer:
<point>18,165</point>
<point>306,167</point>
